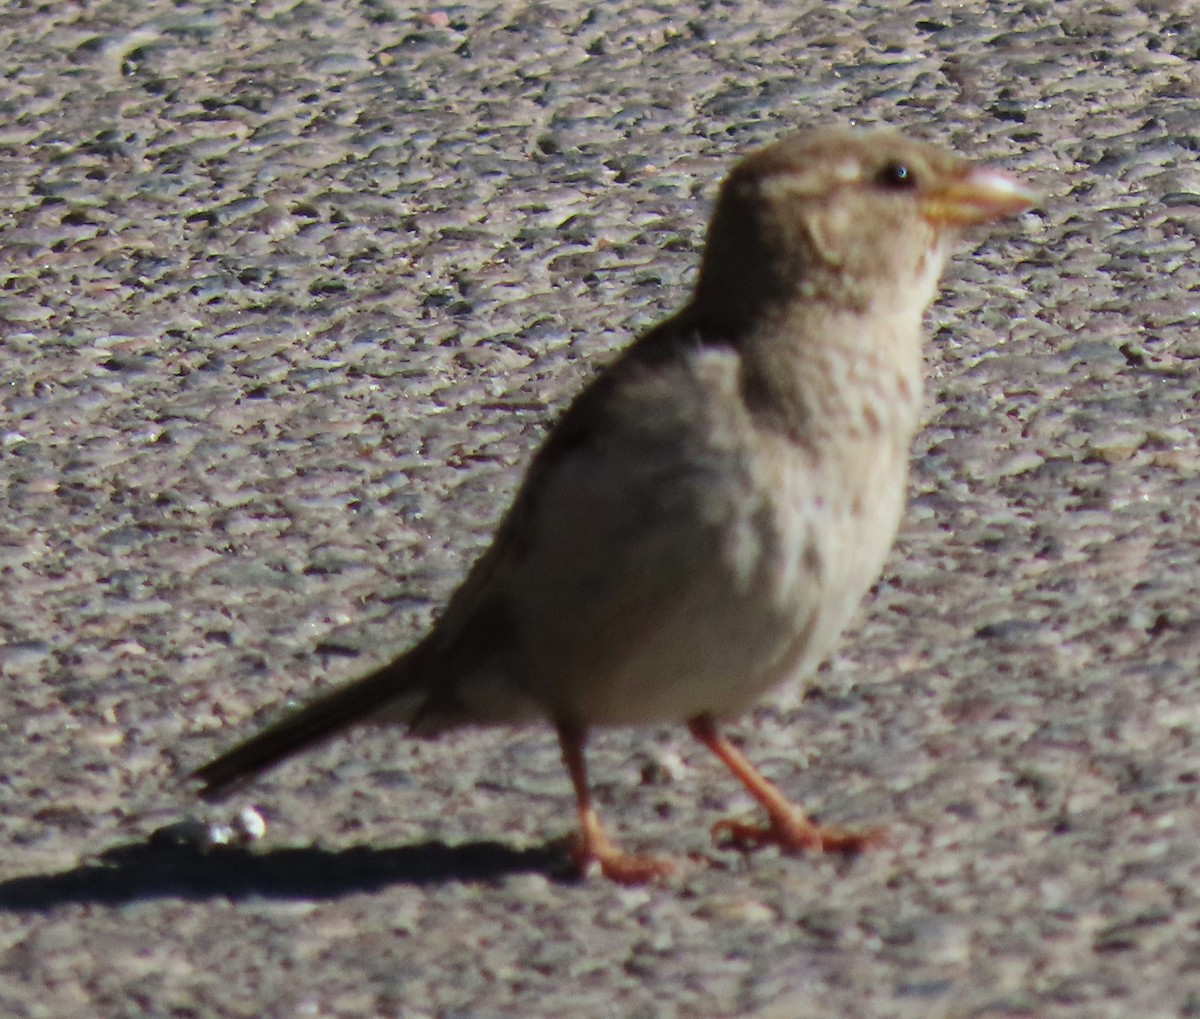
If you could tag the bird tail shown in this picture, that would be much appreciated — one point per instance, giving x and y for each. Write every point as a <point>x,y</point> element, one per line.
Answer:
<point>306,727</point>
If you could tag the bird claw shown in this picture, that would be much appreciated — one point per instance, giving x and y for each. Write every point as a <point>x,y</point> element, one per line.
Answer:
<point>617,865</point>
<point>796,834</point>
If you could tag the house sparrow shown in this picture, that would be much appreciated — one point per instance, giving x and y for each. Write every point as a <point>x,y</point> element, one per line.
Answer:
<point>707,515</point>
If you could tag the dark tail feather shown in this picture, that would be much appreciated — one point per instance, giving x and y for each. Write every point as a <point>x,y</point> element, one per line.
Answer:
<point>305,727</point>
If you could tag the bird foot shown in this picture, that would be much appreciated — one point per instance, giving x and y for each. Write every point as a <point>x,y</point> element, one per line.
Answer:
<point>795,833</point>
<point>617,865</point>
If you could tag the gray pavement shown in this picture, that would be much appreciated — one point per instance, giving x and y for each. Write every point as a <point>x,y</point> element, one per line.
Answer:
<point>288,293</point>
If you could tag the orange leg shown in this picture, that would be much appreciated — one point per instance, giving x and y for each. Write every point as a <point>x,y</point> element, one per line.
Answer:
<point>789,828</point>
<point>591,846</point>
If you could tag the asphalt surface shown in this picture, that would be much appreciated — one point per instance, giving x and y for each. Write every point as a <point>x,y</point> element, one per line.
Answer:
<point>288,293</point>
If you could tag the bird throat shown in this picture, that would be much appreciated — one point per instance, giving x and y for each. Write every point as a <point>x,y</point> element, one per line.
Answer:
<point>826,376</point>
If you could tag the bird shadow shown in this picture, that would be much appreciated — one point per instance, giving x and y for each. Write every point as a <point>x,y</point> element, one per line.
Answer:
<point>157,868</point>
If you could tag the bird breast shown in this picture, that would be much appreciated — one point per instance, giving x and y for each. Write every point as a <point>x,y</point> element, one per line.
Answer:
<point>712,555</point>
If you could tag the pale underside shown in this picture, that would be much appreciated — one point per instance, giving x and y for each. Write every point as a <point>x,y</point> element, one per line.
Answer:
<point>680,561</point>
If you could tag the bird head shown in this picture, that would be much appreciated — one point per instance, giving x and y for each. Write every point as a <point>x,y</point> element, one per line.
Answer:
<point>846,218</point>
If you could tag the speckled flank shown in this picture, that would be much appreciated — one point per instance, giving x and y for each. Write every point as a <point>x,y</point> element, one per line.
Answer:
<point>288,292</point>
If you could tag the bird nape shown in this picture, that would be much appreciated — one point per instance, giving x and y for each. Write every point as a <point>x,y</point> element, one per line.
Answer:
<point>705,518</point>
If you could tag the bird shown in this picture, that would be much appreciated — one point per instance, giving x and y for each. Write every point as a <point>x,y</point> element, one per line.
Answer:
<point>704,519</point>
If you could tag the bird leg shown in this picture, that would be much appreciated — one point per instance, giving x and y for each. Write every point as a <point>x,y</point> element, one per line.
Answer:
<point>591,847</point>
<point>789,828</point>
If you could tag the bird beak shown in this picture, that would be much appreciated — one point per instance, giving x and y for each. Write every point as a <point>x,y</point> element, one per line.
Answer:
<point>980,195</point>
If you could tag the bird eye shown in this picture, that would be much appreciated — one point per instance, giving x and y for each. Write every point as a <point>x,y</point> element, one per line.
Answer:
<point>898,176</point>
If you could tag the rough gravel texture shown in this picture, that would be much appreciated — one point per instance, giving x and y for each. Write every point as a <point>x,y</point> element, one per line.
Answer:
<point>288,293</point>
